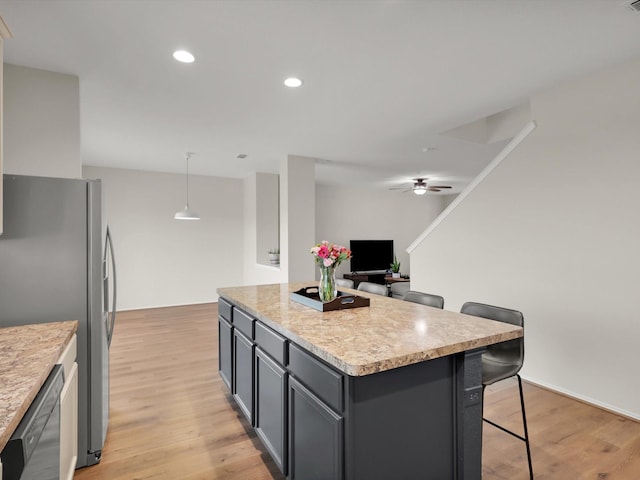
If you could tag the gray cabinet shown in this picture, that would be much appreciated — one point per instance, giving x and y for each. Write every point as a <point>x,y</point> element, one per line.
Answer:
<point>243,373</point>
<point>315,437</point>
<point>225,341</point>
<point>422,420</point>
<point>299,421</point>
<point>316,403</point>
<point>225,310</point>
<point>270,412</point>
<point>321,379</point>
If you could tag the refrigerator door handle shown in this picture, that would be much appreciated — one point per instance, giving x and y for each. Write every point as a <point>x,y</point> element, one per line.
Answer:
<point>112,314</point>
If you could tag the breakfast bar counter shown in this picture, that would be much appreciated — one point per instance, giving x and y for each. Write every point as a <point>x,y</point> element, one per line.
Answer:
<point>391,390</point>
<point>361,341</point>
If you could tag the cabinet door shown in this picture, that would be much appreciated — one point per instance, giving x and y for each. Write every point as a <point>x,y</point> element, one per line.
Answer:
<point>225,342</point>
<point>315,437</point>
<point>270,407</point>
<point>69,424</point>
<point>243,373</point>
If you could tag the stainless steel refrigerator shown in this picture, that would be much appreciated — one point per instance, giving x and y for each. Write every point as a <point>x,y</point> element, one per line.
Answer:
<point>56,263</point>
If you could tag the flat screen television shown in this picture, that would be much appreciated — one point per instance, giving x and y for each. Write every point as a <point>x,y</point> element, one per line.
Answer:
<point>371,255</point>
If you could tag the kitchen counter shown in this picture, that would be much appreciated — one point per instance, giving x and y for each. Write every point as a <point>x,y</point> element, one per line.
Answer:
<point>27,355</point>
<point>360,341</point>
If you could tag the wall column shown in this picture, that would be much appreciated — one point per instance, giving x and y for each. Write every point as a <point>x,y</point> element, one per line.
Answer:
<point>297,217</point>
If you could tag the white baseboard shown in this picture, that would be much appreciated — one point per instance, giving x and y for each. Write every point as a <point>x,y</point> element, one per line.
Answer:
<point>132,309</point>
<point>605,406</point>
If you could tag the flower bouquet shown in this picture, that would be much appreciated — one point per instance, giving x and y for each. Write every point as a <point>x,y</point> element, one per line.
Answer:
<point>328,256</point>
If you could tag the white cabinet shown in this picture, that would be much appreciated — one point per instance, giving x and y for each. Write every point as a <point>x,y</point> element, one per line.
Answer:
<point>69,412</point>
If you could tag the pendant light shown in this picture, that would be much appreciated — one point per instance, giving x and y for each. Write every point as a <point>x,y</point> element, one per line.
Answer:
<point>187,213</point>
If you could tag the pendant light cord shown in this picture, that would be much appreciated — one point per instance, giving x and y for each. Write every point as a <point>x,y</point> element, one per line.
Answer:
<point>188,157</point>
<point>187,213</point>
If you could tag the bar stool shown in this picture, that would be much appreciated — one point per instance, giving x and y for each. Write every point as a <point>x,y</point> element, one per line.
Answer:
<point>373,288</point>
<point>344,282</point>
<point>399,289</point>
<point>424,298</point>
<point>503,360</point>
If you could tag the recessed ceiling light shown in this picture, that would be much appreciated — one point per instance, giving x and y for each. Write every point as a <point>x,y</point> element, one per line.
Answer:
<point>293,82</point>
<point>183,56</point>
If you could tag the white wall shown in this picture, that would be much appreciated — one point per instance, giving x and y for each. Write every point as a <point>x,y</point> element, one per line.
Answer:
<point>344,214</point>
<point>553,231</point>
<point>162,261</point>
<point>41,123</point>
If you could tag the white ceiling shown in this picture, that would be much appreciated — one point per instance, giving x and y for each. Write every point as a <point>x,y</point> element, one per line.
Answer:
<point>382,79</point>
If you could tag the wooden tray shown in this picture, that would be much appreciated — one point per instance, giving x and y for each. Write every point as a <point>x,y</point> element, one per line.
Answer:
<point>310,297</point>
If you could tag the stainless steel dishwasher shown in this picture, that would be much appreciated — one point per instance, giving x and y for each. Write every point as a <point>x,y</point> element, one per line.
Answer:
<point>33,451</point>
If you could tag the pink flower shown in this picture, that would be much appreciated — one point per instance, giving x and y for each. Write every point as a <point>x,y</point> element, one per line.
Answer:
<point>328,254</point>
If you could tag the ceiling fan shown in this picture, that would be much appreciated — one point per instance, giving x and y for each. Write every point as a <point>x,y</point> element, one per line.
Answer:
<point>420,187</point>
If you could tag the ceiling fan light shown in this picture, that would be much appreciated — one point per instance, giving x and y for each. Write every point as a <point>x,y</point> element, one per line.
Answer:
<point>420,189</point>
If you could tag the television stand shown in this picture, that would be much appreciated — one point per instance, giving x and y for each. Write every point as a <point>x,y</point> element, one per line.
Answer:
<point>366,277</point>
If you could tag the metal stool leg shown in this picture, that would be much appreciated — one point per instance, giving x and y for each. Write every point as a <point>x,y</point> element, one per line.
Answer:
<point>526,430</point>
<point>525,439</point>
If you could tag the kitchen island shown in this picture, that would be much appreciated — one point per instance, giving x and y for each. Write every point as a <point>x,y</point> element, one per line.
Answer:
<point>392,390</point>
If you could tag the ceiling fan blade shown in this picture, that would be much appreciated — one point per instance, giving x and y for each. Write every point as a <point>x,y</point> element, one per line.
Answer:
<point>439,186</point>
<point>433,189</point>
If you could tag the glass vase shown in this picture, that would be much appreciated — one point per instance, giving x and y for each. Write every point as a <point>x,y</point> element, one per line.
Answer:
<point>327,289</point>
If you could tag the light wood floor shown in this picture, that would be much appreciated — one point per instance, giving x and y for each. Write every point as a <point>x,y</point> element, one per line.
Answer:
<point>172,418</point>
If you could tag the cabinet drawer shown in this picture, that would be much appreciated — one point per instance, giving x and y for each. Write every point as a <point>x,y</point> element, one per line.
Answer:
<point>271,342</point>
<point>243,322</point>
<point>325,382</point>
<point>224,309</point>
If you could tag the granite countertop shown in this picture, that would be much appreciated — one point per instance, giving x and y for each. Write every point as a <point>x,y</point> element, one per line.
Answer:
<point>27,355</point>
<point>390,333</point>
